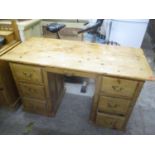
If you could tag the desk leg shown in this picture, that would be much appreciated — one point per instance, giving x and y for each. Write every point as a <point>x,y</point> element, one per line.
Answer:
<point>54,88</point>
<point>95,98</point>
<point>135,97</point>
<point>46,81</point>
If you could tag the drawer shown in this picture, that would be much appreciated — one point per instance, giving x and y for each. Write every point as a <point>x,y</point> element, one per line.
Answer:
<point>27,73</point>
<point>33,91</point>
<point>118,87</point>
<point>110,121</point>
<point>35,106</point>
<point>113,105</point>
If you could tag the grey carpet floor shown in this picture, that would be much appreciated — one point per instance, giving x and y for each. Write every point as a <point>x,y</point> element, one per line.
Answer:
<point>73,118</point>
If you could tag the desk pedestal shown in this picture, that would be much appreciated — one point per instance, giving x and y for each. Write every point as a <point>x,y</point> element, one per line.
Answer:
<point>42,89</point>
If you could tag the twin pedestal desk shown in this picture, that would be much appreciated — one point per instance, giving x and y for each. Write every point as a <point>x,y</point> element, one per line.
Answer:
<point>38,66</point>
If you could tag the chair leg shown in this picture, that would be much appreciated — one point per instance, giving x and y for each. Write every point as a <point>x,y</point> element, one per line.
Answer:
<point>84,87</point>
<point>94,38</point>
<point>58,35</point>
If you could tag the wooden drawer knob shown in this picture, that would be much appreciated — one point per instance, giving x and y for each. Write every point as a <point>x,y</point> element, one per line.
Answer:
<point>28,75</point>
<point>117,88</point>
<point>110,105</point>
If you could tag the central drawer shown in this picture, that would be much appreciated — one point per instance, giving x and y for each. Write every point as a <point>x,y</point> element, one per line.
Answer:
<point>110,121</point>
<point>118,87</point>
<point>32,91</point>
<point>27,73</point>
<point>113,105</point>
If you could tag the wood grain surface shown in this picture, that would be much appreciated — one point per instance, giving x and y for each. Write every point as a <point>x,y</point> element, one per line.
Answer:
<point>82,56</point>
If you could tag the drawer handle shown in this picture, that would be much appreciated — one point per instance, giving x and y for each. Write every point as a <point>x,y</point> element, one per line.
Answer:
<point>109,122</point>
<point>28,90</point>
<point>117,88</point>
<point>28,75</point>
<point>112,105</point>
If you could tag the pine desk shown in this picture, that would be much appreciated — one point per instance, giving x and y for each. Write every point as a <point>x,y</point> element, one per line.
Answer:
<point>39,64</point>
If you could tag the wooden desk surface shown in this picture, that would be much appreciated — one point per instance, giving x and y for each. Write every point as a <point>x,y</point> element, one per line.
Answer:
<point>5,33</point>
<point>82,56</point>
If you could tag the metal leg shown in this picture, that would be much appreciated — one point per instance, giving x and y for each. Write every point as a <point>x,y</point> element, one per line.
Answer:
<point>94,38</point>
<point>58,35</point>
<point>84,87</point>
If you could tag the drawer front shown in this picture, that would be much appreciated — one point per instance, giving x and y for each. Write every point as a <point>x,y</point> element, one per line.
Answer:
<point>118,87</point>
<point>110,121</point>
<point>113,105</point>
<point>33,91</point>
<point>27,73</point>
<point>35,106</point>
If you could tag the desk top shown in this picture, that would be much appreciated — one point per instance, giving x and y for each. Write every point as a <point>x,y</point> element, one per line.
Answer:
<point>82,56</point>
<point>5,33</point>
